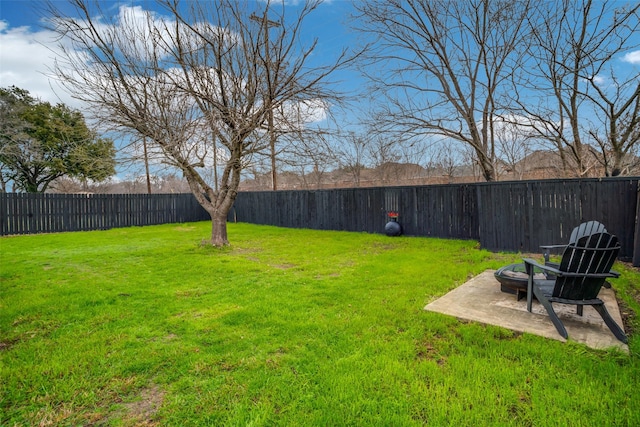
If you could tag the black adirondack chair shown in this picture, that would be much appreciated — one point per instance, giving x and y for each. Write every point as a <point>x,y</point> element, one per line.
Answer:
<point>584,229</point>
<point>584,267</point>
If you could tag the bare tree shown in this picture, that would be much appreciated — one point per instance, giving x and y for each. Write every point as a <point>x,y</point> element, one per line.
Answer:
<point>514,142</point>
<point>445,64</point>
<point>446,163</point>
<point>572,42</point>
<point>617,120</point>
<point>293,141</point>
<point>196,76</point>
<point>350,154</point>
<point>382,151</point>
<point>311,155</point>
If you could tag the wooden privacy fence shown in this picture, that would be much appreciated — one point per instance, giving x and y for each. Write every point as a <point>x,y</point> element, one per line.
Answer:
<point>503,216</point>
<point>48,213</point>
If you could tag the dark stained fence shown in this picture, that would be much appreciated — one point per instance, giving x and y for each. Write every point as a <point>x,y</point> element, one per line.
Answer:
<point>443,210</point>
<point>503,216</point>
<point>48,213</point>
<point>521,216</point>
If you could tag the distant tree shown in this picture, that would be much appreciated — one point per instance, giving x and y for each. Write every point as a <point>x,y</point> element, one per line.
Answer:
<point>381,152</point>
<point>351,154</point>
<point>446,161</point>
<point>514,143</point>
<point>442,67</point>
<point>311,155</point>
<point>616,127</point>
<point>296,146</point>
<point>572,43</point>
<point>40,142</point>
<point>190,76</point>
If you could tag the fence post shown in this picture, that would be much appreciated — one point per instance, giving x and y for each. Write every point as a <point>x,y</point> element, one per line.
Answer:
<point>479,211</point>
<point>636,239</point>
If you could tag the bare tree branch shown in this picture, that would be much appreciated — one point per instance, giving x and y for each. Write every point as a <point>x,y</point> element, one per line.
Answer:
<point>445,65</point>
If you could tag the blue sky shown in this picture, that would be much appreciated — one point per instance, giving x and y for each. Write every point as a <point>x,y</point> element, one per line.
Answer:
<point>26,48</point>
<point>26,55</point>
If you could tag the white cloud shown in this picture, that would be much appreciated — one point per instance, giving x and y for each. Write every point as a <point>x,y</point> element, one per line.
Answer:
<point>26,58</point>
<point>140,26</point>
<point>293,116</point>
<point>314,111</point>
<point>632,57</point>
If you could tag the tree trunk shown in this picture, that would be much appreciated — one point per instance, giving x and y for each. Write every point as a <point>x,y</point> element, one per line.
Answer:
<point>618,161</point>
<point>488,171</point>
<point>219,229</point>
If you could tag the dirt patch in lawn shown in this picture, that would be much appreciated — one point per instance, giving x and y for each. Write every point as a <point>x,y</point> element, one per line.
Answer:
<point>142,412</point>
<point>626,312</point>
<point>627,315</point>
<point>5,345</point>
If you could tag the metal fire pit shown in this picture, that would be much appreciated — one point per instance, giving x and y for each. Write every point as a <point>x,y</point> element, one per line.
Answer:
<point>513,279</point>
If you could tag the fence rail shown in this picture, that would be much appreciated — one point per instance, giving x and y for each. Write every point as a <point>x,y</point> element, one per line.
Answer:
<point>48,213</point>
<point>502,216</point>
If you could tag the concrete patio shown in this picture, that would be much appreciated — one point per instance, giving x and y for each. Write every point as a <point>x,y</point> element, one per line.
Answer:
<point>481,300</point>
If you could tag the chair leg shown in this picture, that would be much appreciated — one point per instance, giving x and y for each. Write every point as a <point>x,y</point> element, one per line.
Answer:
<point>529,269</point>
<point>608,320</point>
<point>579,309</point>
<point>552,313</point>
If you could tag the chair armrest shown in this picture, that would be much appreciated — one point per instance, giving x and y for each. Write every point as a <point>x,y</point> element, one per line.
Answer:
<point>552,246</point>
<point>552,264</point>
<point>542,266</point>
<point>560,273</point>
<point>593,275</point>
<point>547,250</point>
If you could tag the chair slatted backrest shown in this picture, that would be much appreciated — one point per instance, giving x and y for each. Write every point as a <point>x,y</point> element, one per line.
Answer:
<point>594,253</point>
<point>586,229</point>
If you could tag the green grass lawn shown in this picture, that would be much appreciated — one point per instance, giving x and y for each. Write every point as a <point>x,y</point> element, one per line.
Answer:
<point>145,326</point>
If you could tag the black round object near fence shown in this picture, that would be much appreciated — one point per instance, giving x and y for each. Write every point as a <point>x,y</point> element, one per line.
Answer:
<point>393,228</point>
